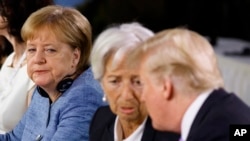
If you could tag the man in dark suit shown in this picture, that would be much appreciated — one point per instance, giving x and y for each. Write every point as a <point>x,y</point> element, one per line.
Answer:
<point>183,88</point>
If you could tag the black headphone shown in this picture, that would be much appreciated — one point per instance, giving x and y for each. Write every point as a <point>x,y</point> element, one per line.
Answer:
<point>61,87</point>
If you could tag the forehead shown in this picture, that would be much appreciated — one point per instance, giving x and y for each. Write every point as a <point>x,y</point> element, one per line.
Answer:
<point>118,64</point>
<point>43,34</point>
<point>114,62</point>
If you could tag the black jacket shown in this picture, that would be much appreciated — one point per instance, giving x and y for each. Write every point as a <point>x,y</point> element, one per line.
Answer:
<point>219,111</point>
<point>102,128</point>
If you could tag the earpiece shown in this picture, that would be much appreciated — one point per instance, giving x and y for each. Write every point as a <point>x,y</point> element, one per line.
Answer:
<point>64,85</point>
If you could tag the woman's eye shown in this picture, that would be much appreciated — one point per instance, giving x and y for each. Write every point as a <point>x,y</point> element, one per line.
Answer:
<point>50,51</point>
<point>113,81</point>
<point>31,51</point>
<point>137,83</point>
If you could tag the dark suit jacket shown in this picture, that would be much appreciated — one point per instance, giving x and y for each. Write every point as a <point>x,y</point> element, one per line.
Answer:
<point>102,128</point>
<point>216,114</point>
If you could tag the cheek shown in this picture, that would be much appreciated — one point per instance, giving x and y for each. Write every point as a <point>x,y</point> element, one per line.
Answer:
<point>113,103</point>
<point>113,100</point>
<point>153,109</point>
<point>113,106</point>
<point>143,107</point>
<point>64,61</point>
<point>110,96</point>
<point>146,92</point>
<point>58,68</point>
<point>149,97</point>
<point>29,68</point>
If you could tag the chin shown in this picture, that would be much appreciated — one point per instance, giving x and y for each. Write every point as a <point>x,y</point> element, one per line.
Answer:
<point>159,125</point>
<point>40,83</point>
<point>156,126</point>
<point>163,127</point>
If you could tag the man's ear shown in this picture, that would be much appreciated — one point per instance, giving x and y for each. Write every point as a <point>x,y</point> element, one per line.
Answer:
<point>167,89</point>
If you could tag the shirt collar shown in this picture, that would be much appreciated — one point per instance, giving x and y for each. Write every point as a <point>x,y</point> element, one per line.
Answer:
<point>135,136</point>
<point>191,113</point>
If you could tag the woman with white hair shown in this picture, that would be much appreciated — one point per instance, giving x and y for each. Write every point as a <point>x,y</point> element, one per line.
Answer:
<point>125,118</point>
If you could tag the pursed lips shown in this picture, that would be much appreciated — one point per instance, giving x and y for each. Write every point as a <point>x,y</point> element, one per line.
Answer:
<point>40,71</point>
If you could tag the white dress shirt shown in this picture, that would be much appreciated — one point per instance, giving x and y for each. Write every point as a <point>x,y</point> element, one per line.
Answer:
<point>135,136</point>
<point>191,113</point>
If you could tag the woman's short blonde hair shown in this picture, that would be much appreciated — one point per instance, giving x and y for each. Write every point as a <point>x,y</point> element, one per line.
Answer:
<point>69,26</point>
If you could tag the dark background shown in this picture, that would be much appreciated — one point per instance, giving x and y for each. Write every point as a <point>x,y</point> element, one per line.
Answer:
<point>212,18</point>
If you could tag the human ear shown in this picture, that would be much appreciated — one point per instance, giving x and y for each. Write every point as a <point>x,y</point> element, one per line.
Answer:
<point>76,56</point>
<point>167,89</point>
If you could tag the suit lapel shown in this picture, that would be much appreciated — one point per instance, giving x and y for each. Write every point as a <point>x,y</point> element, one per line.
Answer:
<point>201,116</point>
<point>102,127</point>
<point>149,132</point>
<point>108,134</point>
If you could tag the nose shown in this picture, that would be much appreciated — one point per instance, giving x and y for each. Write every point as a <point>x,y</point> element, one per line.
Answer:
<point>39,57</point>
<point>128,92</point>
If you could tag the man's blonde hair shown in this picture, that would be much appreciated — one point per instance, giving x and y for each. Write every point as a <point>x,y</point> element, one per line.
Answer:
<point>186,57</point>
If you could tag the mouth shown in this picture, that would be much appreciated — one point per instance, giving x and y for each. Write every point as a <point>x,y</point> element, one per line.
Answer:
<point>40,71</point>
<point>127,110</point>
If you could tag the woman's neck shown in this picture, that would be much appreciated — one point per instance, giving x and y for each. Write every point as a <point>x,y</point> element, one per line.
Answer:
<point>129,127</point>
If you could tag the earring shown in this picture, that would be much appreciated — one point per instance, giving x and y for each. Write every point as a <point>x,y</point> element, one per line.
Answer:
<point>104,98</point>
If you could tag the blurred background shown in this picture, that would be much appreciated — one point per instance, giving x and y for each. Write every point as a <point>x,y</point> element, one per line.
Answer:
<point>213,18</point>
<point>71,3</point>
<point>225,23</point>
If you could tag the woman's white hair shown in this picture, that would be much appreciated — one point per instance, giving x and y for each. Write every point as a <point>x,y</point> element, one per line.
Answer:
<point>116,41</point>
